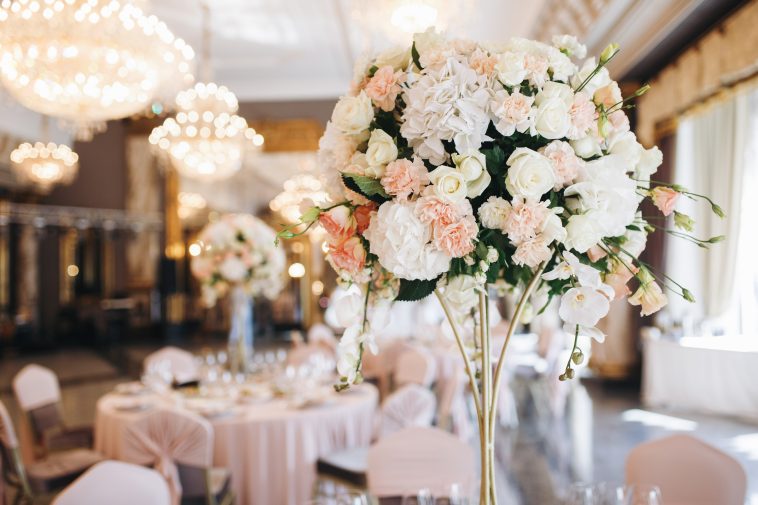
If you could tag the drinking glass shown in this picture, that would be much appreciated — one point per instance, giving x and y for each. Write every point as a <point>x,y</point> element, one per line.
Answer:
<point>638,495</point>
<point>423,497</point>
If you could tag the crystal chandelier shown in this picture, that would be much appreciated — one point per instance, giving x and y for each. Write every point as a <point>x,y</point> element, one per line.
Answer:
<point>44,165</point>
<point>88,61</point>
<point>207,140</point>
<point>298,189</point>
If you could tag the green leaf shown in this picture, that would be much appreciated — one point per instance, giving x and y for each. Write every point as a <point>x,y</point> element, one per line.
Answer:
<point>366,186</point>
<point>416,57</point>
<point>411,291</point>
<point>372,70</point>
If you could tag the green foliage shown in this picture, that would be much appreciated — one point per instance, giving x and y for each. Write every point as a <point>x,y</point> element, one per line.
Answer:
<point>415,56</point>
<point>366,186</point>
<point>411,291</point>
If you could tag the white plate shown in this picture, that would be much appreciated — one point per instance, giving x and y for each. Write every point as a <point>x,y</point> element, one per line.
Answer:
<point>132,405</point>
<point>131,388</point>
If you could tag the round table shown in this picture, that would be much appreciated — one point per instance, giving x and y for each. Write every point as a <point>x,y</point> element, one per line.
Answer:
<point>271,448</point>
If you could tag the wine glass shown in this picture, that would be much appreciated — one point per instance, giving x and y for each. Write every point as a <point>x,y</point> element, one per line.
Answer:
<point>457,495</point>
<point>423,497</point>
<point>638,495</point>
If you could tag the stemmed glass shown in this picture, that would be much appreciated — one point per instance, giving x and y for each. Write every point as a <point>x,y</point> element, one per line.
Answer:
<point>609,494</point>
<point>423,497</point>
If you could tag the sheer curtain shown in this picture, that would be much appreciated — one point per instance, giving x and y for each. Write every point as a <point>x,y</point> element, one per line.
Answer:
<point>717,155</point>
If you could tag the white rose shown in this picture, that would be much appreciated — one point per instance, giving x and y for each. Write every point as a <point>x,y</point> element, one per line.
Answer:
<point>570,45</point>
<point>381,149</point>
<point>510,68</point>
<point>397,57</point>
<point>586,147</point>
<point>582,232</point>
<point>494,213</point>
<point>353,114</point>
<point>401,242</point>
<point>428,40</point>
<point>552,119</point>
<point>473,165</point>
<point>530,174</point>
<point>233,269</point>
<point>449,183</point>
<point>555,90</point>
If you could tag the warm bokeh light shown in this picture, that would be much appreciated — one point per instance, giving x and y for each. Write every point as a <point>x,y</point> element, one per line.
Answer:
<point>296,270</point>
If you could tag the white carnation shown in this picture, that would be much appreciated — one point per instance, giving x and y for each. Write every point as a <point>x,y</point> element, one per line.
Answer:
<point>494,213</point>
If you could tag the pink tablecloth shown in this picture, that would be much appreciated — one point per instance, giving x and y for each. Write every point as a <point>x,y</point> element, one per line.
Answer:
<point>270,448</point>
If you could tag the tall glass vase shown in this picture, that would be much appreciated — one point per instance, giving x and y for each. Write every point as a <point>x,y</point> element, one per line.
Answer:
<point>240,331</point>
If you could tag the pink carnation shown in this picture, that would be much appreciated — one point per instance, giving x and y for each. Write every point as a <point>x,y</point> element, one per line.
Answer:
<point>566,163</point>
<point>482,62</point>
<point>348,256</point>
<point>532,252</point>
<point>404,177</point>
<point>456,239</point>
<point>437,212</point>
<point>665,199</point>
<point>525,219</point>
<point>583,115</point>
<point>384,87</point>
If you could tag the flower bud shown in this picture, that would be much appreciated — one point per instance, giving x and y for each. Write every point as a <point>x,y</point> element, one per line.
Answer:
<point>608,53</point>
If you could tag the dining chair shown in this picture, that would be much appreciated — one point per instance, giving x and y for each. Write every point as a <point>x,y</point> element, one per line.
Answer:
<point>687,471</point>
<point>42,476</point>
<point>179,445</point>
<point>179,363</point>
<point>38,394</point>
<point>419,458</point>
<point>453,413</point>
<point>411,405</point>
<point>414,366</point>
<point>116,483</point>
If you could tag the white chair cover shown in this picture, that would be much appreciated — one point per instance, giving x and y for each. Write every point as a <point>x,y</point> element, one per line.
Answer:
<point>411,405</point>
<point>181,364</point>
<point>320,333</point>
<point>417,458</point>
<point>687,470</point>
<point>415,366</point>
<point>116,483</point>
<point>36,386</point>
<point>453,406</point>
<point>164,438</point>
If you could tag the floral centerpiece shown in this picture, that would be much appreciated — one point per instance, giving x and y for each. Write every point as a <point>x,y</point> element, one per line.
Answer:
<point>455,164</point>
<point>238,256</point>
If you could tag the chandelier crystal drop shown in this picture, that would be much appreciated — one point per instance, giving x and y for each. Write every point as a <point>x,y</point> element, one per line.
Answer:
<point>44,165</point>
<point>89,61</point>
<point>206,140</point>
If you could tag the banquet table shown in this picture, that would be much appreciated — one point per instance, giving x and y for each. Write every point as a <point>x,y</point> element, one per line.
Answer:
<point>271,448</point>
<point>702,374</point>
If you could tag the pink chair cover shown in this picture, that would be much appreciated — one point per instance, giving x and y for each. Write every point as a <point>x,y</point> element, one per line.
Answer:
<point>116,483</point>
<point>688,471</point>
<point>36,386</point>
<point>182,364</point>
<point>164,438</point>
<point>411,405</point>
<point>415,366</point>
<point>416,458</point>
<point>302,354</point>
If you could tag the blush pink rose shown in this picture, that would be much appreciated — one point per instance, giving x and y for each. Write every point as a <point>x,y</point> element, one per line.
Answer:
<point>348,256</point>
<point>384,87</point>
<point>583,116</point>
<point>608,95</point>
<point>532,252</point>
<point>566,163</point>
<point>338,222</point>
<point>650,298</point>
<point>456,239</point>
<point>525,219</point>
<point>363,215</point>
<point>405,177</point>
<point>665,199</point>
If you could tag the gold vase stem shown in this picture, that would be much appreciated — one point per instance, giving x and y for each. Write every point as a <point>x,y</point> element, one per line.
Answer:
<point>511,329</point>
<point>485,436</point>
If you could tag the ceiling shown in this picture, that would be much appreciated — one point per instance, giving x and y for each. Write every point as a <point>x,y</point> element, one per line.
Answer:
<point>275,50</point>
